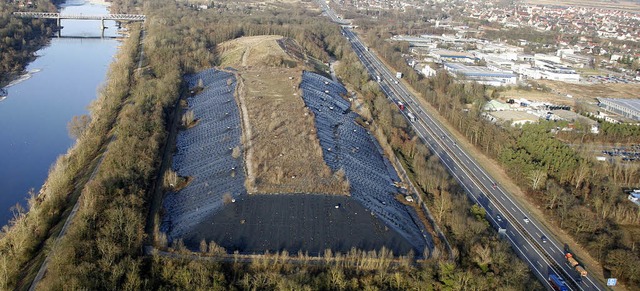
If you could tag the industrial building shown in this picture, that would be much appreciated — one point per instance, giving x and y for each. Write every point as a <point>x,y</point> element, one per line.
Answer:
<point>555,71</point>
<point>452,56</point>
<point>481,75</point>
<point>629,108</point>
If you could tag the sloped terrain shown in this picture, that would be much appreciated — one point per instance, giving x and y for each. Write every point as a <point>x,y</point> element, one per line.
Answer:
<point>205,154</point>
<point>283,152</point>
<point>296,136</point>
<point>348,146</point>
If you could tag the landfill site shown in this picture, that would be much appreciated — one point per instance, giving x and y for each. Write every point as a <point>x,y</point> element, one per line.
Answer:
<point>276,161</point>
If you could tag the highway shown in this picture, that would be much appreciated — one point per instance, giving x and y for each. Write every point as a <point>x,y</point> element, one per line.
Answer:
<point>504,213</point>
<point>544,256</point>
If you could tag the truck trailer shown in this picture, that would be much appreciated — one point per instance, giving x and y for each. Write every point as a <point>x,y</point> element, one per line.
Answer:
<point>411,117</point>
<point>557,283</point>
<point>575,264</point>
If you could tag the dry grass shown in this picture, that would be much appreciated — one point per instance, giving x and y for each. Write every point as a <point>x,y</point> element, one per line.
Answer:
<point>594,90</point>
<point>613,5</point>
<point>283,153</point>
<point>579,92</point>
<point>535,95</point>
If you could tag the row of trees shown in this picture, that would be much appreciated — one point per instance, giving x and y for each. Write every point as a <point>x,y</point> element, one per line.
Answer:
<point>31,234</point>
<point>585,198</point>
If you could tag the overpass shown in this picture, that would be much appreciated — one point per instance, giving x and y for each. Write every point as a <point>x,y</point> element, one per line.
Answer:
<point>58,17</point>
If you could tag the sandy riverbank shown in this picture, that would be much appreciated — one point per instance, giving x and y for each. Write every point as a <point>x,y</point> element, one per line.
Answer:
<point>98,2</point>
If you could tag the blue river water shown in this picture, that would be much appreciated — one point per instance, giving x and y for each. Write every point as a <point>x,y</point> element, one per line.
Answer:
<point>62,82</point>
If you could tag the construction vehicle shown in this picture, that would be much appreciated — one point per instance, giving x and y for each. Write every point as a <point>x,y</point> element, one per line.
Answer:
<point>557,283</point>
<point>575,264</point>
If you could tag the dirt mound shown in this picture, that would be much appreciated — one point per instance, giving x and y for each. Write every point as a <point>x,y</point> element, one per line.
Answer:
<point>283,154</point>
<point>257,51</point>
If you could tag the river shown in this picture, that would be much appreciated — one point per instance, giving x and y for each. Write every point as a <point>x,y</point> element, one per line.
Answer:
<point>62,82</point>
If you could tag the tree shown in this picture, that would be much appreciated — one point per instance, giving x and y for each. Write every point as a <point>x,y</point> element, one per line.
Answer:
<point>78,125</point>
<point>203,246</point>
<point>537,178</point>
<point>482,256</point>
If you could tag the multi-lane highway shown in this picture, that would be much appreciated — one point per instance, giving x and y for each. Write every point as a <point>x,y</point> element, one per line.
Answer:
<point>540,250</point>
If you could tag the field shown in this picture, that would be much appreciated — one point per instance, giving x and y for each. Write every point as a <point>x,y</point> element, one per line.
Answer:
<point>536,95</point>
<point>615,5</point>
<point>283,154</point>
<point>585,93</point>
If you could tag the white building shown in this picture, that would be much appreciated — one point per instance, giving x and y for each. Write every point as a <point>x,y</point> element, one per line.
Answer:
<point>481,75</point>
<point>428,71</point>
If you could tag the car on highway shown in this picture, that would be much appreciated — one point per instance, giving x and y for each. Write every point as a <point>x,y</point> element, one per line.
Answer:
<point>544,239</point>
<point>498,218</point>
<point>526,220</point>
<point>494,185</point>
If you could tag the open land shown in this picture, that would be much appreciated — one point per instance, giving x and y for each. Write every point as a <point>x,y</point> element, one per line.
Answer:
<point>585,93</point>
<point>614,5</point>
<point>279,123</point>
<point>590,91</point>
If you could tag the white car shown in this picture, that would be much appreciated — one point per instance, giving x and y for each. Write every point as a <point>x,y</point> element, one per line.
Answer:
<point>526,220</point>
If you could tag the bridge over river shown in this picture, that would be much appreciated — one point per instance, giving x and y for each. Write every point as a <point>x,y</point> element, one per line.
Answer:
<point>102,18</point>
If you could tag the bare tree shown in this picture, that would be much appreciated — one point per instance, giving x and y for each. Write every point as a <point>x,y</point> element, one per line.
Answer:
<point>537,178</point>
<point>78,125</point>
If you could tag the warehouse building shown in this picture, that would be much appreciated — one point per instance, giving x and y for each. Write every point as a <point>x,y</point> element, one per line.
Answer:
<point>452,56</point>
<point>482,75</point>
<point>629,108</point>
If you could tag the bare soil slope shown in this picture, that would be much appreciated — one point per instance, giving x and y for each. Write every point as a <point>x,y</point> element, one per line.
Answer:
<point>283,154</point>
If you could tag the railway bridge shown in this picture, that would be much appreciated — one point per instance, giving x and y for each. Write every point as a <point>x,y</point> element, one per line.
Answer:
<point>58,17</point>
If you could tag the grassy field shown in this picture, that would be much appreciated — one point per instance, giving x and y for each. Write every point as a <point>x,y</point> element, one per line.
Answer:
<point>283,154</point>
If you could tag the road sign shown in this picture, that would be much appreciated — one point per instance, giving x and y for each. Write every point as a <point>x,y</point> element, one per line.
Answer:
<point>612,281</point>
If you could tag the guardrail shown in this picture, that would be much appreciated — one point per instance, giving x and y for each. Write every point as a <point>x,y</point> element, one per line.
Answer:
<point>52,15</point>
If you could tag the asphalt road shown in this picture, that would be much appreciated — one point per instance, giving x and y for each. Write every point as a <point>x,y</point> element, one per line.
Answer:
<point>503,212</point>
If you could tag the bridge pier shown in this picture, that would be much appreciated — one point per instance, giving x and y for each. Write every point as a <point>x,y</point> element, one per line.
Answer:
<point>48,15</point>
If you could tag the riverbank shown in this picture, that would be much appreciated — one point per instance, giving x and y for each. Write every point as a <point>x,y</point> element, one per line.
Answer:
<point>98,2</point>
